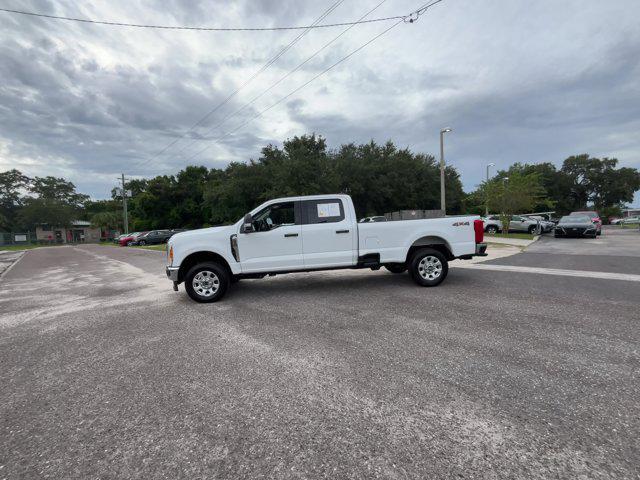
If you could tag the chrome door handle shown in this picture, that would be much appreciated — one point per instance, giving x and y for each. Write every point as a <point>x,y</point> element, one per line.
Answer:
<point>290,234</point>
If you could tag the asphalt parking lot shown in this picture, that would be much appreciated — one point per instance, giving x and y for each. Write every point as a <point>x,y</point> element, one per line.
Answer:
<point>501,372</point>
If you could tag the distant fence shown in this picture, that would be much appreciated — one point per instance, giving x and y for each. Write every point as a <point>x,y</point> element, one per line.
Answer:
<point>17,238</point>
<point>414,214</point>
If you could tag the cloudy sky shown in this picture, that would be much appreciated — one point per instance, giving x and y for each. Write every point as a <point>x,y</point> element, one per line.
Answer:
<point>528,81</point>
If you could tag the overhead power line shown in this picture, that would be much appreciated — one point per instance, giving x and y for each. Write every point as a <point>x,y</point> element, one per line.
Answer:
<point>245,83</point>
<point>277,82</point>
<point>417,13</point>
<point>203,29</point>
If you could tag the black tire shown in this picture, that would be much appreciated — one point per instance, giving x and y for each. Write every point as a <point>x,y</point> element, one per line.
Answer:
<point>129,244</point>
<point>492,229</point>
<point>532,230</point>
<point>417,267</point>
<point>204,293</point>
<point>142,243</point>
<point>396,267</point>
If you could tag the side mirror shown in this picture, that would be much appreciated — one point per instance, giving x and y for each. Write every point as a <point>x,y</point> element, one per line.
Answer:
<point>247,224</point>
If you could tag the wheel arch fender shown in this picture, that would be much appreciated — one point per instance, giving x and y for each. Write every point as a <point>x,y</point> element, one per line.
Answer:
<point>200,257</point>
<point>432,241</point>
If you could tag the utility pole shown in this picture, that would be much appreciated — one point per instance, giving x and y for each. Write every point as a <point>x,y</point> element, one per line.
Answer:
<point>486,195</point>
<point>442,191</point>
<point>125,219</point>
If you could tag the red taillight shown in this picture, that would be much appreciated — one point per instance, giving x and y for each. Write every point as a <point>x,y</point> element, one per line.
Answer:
<point>478,228</point>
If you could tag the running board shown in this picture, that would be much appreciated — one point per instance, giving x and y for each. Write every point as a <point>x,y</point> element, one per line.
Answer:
<point>370,260</point>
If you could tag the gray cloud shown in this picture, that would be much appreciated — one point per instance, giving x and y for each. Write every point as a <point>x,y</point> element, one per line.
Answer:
<point>517,81</point>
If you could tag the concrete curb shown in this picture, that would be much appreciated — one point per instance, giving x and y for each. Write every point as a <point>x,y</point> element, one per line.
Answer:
<point>515,242</point>
<point>15,262</point>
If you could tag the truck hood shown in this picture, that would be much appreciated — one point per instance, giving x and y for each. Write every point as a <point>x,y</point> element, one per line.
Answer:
<point>210,232</point>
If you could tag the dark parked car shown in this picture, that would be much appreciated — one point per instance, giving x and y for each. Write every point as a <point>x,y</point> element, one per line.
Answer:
<point>154,237</point>
<point>595,218</point>
<point>575,226</point>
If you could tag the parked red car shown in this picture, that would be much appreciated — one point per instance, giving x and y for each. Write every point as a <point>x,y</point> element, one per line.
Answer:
<point>129,239</point>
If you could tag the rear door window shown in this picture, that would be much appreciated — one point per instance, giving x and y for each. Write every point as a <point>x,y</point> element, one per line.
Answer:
<point>323,211</point>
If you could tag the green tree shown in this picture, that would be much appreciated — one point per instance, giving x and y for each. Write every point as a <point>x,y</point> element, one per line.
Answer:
<point>58,190</point>
<point>516,194</point>
<point>154,206</point>
<point>56,202</point>
<point>597,182</point>
<point>12,185</point>
<point>236,190</point>
<point>106,220</point>
<point>46,211</point>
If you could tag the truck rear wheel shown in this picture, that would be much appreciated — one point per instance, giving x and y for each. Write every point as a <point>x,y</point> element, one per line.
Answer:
<point>428,267</point>
<point>207,282</point>
<point>396,267</point>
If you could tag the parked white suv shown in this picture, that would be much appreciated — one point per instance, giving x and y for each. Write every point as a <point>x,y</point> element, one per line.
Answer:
<point>320,232</point>
<point>492,224</point>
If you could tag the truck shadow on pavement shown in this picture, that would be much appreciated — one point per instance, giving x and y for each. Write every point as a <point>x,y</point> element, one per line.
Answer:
<point>322,286</point>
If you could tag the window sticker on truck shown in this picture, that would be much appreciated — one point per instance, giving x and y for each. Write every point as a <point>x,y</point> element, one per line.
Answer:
<point>328,210</point>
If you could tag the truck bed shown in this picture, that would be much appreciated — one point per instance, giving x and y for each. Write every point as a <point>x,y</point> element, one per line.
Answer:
<point>391,239</point>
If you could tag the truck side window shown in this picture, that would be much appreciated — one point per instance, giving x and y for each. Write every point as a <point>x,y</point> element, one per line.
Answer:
<point>274,216</point>
<point>323,211</point>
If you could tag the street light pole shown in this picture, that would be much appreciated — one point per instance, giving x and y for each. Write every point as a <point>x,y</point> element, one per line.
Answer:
<point>125,219</point>
<point>486,195</point>
<point>442,191</point>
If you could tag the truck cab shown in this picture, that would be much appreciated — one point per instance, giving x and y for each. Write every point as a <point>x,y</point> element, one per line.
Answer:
<point>309,233</point>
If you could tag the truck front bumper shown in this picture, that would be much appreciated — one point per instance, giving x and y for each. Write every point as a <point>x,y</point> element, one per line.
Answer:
<point>172,273</point>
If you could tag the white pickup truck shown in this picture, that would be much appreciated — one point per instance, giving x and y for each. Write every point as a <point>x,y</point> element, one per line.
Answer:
<point>319,232</point>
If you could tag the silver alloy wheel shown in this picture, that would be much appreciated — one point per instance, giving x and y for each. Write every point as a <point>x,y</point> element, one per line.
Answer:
<point>205,283</point>
<point>430,267</point>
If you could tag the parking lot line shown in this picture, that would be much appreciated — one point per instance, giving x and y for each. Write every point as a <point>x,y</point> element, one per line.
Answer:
<point>553,271</point>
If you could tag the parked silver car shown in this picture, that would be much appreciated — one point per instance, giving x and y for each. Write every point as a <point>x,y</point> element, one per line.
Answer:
<point>492,224</point>
<point>545,225</point>
<point>630,221</point>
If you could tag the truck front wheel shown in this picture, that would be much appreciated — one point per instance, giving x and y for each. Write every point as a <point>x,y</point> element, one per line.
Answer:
<point>428,267</point>
<point>207,282</point>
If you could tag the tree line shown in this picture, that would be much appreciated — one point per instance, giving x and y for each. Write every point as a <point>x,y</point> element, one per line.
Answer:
<point>581,182</point>
<point>379,178</point>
